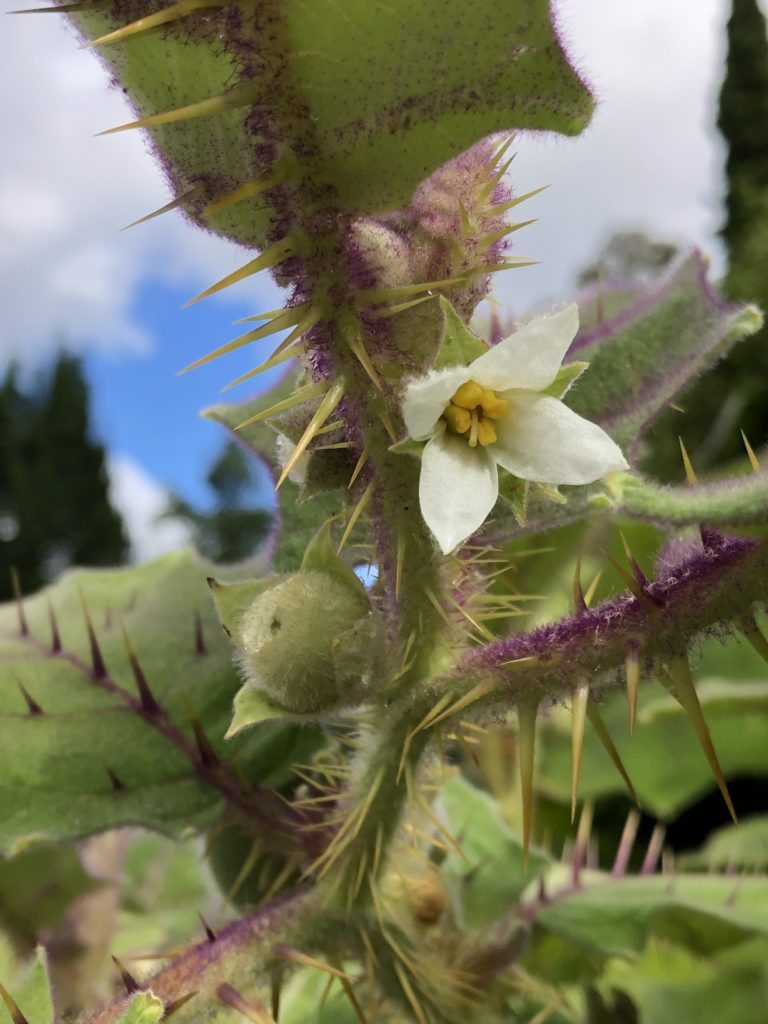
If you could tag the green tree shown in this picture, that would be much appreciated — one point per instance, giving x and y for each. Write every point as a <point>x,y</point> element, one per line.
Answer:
<point>55,509</point>
<point>232,531</point>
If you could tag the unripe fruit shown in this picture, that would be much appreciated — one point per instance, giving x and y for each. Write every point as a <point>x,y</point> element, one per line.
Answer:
<point>287,639</point>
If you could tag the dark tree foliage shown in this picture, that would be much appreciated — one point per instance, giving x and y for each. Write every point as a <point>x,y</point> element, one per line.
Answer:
<point>732,398</point>
<point>232,531</point>
<point>55,509</point>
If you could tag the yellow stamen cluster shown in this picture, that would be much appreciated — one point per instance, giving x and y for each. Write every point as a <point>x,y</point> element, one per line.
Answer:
<point>471,412</point>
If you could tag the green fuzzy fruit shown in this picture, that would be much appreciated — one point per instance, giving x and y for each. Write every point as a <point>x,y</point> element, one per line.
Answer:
<point>287,639</point>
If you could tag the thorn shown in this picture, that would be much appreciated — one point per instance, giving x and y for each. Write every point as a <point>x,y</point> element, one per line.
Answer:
<point>253,1009</point>
<point>55,636</point>
<point>754,636</point>
<point>150,21</point>
<point>579,604</point>
<point>174,204</point>
<point>296,957</point>
<point>402,542</point>
<point>288,318</point>
<point>200,648</point>
<point>655,845</point>
<point>592,588</point>
<point>635,587</point>
<point>210,934</point>
<point>360,352</point>
<point>23,625</point>
<point>527,711</point>
<point>597,723</point>
<point>750,454</point>
<point>679,681</point>
<point>246,191</point>
<point>176,1004</point>
<point>98,667</point>
<point>117,784</point>
<point>626,843</point>
<point>16,1015</point>
<point>280,355</point>
<point>131,985</point>
<point>148,702</point>
<point>386,422</point>
<point>690,474</point>
<point>208,756</point>
<point>275,984</point>
<point>372,296</point>
<point>83,5</point>
<point>632,669</point>
<point>32,706</point>
<point>356,513</point>
<point>578,721</point>
<point>301,394</point>
<point>327,405</point>
<point>637,571</point>
<point>241,95</point>
<point>511,203</point>
<point>386,311</point>
<point>271,256</point>
<point>582,841</point>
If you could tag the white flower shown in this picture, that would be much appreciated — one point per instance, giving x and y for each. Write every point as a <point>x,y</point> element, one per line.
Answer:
<point>491,413</point>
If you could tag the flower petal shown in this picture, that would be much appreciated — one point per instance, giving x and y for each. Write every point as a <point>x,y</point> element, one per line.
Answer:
<point>425,398</point>
<point>543,440</point>
<point>458,487</point>
<point>531,357</point>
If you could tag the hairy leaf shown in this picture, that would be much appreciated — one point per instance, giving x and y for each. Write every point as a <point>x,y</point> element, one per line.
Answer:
<point>362,99</point>
<point>86,754</point>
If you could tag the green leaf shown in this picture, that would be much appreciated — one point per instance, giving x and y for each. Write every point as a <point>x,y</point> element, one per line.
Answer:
<point>565,377</point>
<point>616,917</point>
<point>144,1008</point>
<point>251,707</point>
<point>459,346</point>
<point>646,356</point>
<point>32,994</point>
<point>742,846</point>
<point>54,765</point>
<point>374,96</point>
<point>493,875</point>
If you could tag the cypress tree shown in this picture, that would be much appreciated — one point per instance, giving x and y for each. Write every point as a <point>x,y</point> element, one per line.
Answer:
<point>54,488</point>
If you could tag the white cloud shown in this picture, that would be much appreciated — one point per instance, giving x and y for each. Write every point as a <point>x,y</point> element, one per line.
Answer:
<point>66,270</point>
<point>140,500</point>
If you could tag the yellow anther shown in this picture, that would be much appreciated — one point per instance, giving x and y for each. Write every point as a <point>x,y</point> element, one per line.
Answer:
<point>493,406</point>
<point>458,419</point>
<point>486,432</point>
<point>468,396</point>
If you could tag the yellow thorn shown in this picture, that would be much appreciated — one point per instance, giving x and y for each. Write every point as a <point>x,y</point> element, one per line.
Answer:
<point>359,466</point>
<point>690,474</point>
<point>750,453</point>
<point>286,345</point>
<point>471,697</point>
<point>510,229</point>
<point>279,323</point>
<point>495,178</point>
<point>246,191</point>
<point>597,723</point>
<point>361,354</point>
<point>369,296</point>
<point>495,268</point>
<point>269,314</point>
<point>402,540</point>
<point>436,605</point>
<point>385,311</point>
<point>386,422</point>
<point>578,721</point>
<point>172,13</point>
<point>754,636</point>
<point>299,395</point>
<point>84,5</point>
<point>296,957</point>
<point>510,204</point>
<point>269,258</point>
<point>240,96</point>
<point>482,630</point>
<point>327,405</point>
<point>589,596</point>
<point>409,993</point>
<point>279,356</point>
<point>173,205</point>
<point>356,513</point>
<point>632,668</point>
<point>679,681</point>
<point>527,711</point>
<point>499,154</point>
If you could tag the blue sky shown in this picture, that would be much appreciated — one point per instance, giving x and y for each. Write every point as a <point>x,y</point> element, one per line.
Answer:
<point>650,160</point>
